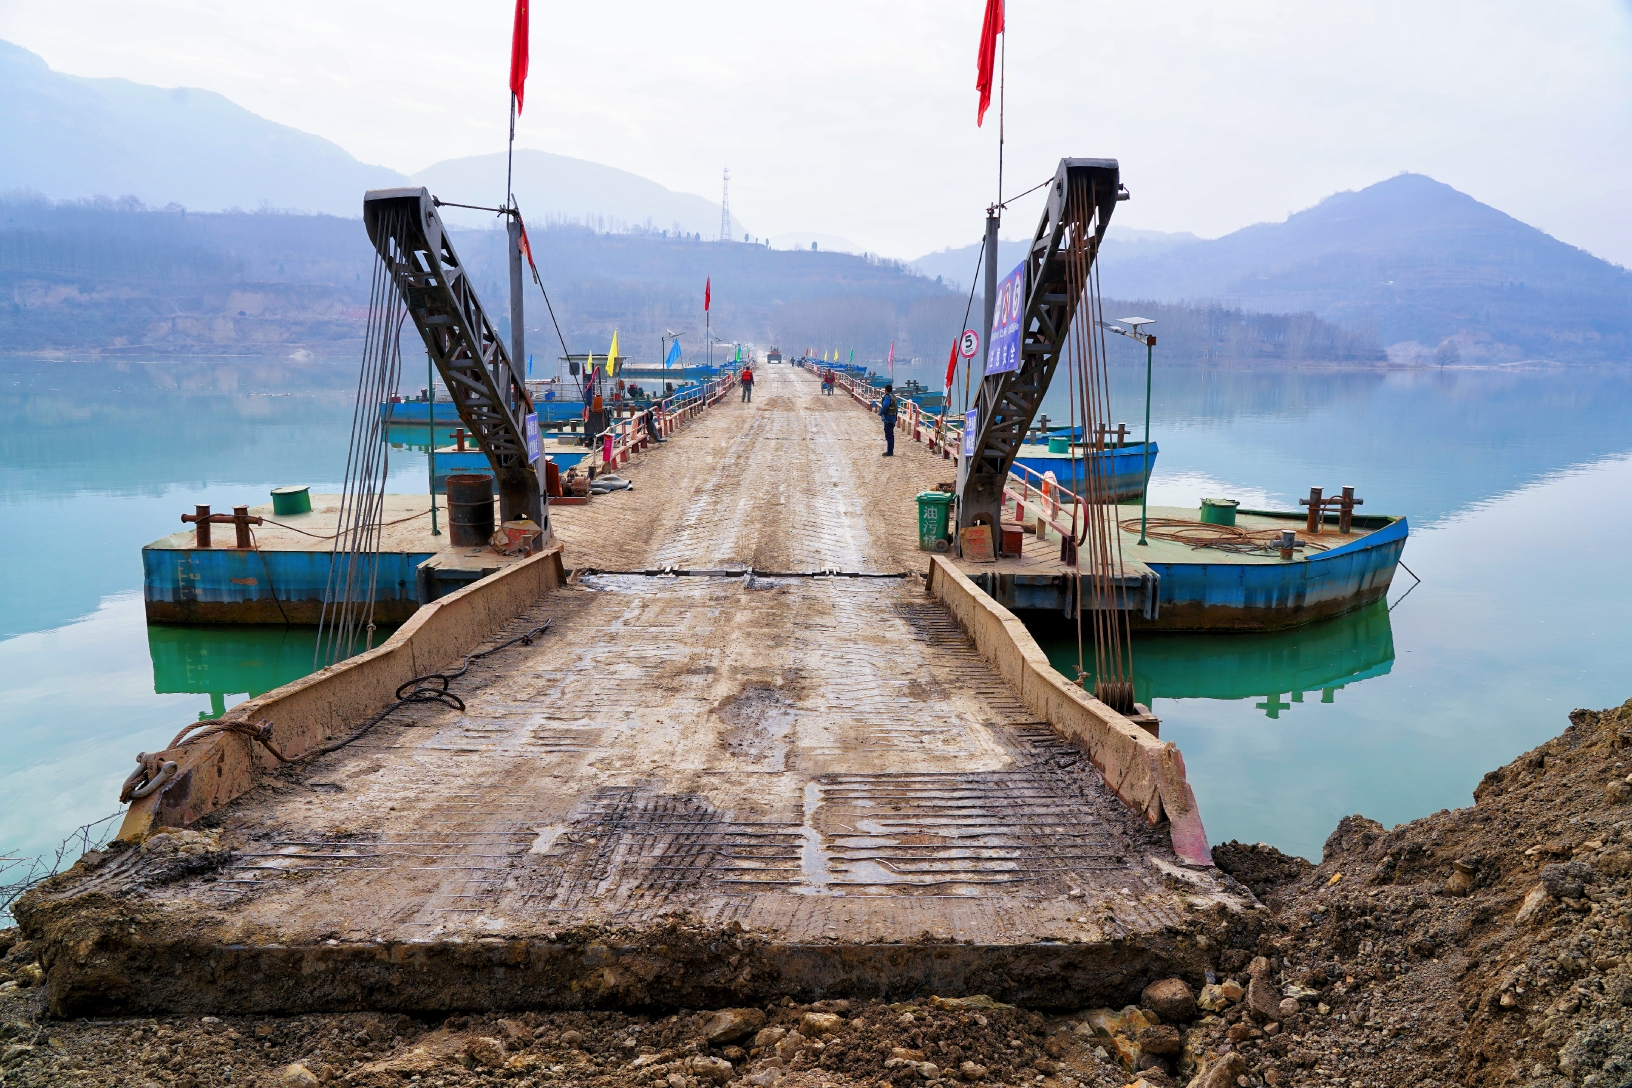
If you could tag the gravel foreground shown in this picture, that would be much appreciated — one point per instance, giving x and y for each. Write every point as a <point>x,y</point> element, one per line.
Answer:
<point>1489,945</point>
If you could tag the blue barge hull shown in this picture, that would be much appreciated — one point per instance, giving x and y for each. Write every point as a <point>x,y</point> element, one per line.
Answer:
<point>418,412</point>
<point>1124,468</point>
<point>1214,596</point>
<point>283,576</point>
<point>1172,584</point>
<point>228,585</point>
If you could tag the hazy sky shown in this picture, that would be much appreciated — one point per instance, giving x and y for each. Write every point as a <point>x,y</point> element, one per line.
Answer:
<point>857,118</point>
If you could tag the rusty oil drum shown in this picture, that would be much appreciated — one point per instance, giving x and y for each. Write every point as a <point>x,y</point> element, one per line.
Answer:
<point>470,509</point>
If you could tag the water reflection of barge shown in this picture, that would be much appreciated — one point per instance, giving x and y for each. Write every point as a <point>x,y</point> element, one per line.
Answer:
<point>1278,667</point>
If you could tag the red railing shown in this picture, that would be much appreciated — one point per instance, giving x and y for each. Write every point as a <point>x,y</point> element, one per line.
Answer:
<point>629,434</point>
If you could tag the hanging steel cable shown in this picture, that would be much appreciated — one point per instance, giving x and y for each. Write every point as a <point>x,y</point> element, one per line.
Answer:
<point>346,625</point>
<point>1097,530</point>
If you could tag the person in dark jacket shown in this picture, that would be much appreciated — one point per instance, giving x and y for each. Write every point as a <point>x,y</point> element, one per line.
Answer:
<point>888,409</point>
<point>747,384</point>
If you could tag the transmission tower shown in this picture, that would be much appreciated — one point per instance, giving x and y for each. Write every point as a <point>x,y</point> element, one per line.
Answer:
<point>725,208</point>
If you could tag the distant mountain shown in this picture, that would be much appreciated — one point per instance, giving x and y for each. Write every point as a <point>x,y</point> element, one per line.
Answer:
<point>1435,274</point>
<point>113,277</point>
<point>558,189</point>
<point>70,137</point>
<point>955,266</point>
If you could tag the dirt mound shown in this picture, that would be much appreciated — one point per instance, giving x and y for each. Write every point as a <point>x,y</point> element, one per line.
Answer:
<point>1259,866</point>
<point>1482,946</point>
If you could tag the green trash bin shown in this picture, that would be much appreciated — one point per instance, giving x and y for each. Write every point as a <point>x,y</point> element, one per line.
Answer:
<point>1059,444</point>
<point>934,521</point>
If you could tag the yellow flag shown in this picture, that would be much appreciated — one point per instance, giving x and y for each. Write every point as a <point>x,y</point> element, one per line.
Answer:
<point>612,356</point>
<point>589,367</point>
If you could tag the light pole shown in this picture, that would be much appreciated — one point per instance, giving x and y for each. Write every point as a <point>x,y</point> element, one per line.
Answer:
<point>668,335</point>
<point>1138,334</point>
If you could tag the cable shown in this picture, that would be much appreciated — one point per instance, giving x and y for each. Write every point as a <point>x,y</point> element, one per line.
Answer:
<point>331,536</point>
<point>528,249</point>
<point>472,207</point>
<point>980,255</point>
<point>256,544</point>
<point>1028,192</point>
<point>418,691</point>
<point>348,596</point>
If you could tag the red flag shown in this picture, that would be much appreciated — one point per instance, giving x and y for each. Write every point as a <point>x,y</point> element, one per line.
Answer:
<point>892,358</point>
<point>989,30</point>
<point>708,292</point>
<point>518,54</point>
<point>526,249</point>
<point>951,365</point>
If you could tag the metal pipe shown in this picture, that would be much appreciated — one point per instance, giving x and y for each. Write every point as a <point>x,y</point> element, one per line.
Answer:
<point>1144,492</point>
<point>518,330</point>
<point>430,408</point>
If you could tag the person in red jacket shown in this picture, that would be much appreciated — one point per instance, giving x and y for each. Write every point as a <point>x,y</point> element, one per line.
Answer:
<point>747,384</point>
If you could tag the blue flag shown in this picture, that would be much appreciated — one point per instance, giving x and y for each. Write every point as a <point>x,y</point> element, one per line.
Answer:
<point>529,364</point>
<point>674,354</point>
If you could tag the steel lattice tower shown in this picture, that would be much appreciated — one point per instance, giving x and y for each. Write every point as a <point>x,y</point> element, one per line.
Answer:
<point>725,208</point>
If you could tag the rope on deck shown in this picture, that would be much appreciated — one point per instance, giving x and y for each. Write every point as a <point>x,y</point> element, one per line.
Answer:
<point>1223,538</point>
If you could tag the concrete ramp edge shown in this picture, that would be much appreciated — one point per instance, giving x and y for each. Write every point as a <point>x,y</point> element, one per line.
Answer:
<point>1146,773</point>
<point>315,709</point>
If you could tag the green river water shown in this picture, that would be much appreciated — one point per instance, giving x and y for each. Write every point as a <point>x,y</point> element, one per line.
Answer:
<point>1517,483</point>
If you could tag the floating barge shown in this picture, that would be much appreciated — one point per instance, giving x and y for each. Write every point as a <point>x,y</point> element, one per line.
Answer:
<point>1123,469</point>
<point>562,450</point>
<point>281,576</point>
<point>418,411</point>
<point>1208,589</point>
<point>1173,585</point>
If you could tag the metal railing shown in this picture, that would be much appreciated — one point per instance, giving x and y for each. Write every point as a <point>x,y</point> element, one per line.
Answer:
<point>629,434</point>
<point>920,426</point>
<point>1055,504</point>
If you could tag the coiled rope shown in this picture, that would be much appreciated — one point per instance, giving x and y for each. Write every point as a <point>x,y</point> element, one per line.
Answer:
<point>1223,538</point>
<point>156,769</point>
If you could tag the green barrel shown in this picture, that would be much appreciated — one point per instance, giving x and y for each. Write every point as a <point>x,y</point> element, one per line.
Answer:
<point>934,521</point>
<point>1218,511</point>
<point>291,500</point>
<point>1057,444</point>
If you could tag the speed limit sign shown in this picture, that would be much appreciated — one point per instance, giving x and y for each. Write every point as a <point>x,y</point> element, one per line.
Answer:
<point>968,343</point>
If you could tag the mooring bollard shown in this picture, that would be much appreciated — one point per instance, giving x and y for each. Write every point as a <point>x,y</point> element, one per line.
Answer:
<point>239,519</point>
<point>1313,502</point>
